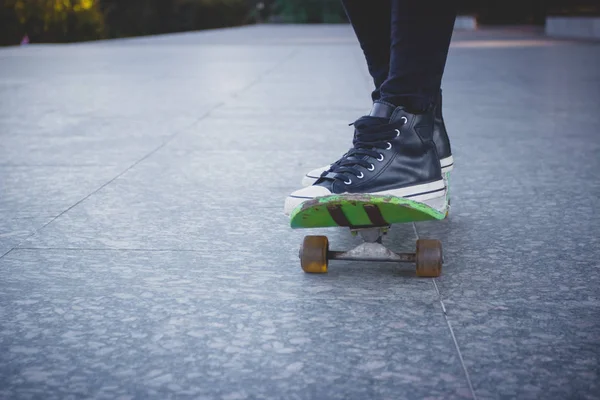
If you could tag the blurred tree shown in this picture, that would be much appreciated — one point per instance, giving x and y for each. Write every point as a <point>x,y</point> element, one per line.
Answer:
<point>144,17</point>
<point>573,7</point>
<point>509,12</point>
<point>50,20</point>
<point>75,20</point>
<point>11,31</point>
<point>215,13</point>
<point>309,11</point>
<point>133,17</point>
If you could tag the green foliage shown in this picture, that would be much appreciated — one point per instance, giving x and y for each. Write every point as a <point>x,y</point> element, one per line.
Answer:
<point>10,28</point>
<point>578,7</point>
<point>48,21</point>
<point>214,13</point>
<point>310,11</point>
<point>76,20</point>
<point>147,17</point>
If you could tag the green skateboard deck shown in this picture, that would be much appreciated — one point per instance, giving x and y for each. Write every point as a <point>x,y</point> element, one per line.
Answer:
<point>360,212</point>
<point>370,216</point>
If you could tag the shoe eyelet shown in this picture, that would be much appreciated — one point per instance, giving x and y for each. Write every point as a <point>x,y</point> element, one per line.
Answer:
<point>380,159</point>
<point>349,182</point>
<point>372,168</point>
<point>398,132</point>
<point>404,119</point>
<point>360,176</point>
<point>389,146</point>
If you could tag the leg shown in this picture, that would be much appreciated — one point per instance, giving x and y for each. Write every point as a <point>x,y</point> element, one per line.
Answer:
<point>371,23</point>
<point>418,153</point>
<point>420,37</point>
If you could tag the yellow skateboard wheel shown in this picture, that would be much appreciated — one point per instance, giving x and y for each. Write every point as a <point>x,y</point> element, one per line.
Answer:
<point>429,258</point>
<point>313,254</point>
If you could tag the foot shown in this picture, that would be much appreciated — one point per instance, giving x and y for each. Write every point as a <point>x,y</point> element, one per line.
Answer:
<point>391,156</point>
<point>440,138</point>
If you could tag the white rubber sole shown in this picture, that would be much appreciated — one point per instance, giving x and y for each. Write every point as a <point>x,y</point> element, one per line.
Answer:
<point>447,164</point>
<point>432,194</point>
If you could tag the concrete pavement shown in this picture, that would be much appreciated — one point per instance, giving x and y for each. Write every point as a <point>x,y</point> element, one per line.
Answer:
<point>144,252</point>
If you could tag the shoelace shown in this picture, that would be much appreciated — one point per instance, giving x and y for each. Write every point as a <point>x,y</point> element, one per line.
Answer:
<point>364,151</point>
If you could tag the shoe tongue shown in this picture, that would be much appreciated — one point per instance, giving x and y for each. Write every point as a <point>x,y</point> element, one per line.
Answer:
<point>390,112</point>
<point>382,109</point>
<point>331,184</point>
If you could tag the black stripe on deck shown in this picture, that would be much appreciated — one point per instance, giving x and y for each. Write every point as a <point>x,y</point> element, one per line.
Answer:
<point>374,214</point>
<point>338,215</point>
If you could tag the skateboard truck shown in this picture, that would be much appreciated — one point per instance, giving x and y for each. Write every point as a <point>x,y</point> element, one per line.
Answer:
<point>315,254</point>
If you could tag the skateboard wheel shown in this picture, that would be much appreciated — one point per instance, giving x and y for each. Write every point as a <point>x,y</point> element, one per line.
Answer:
<point>313,254</point>
<point>429,258</point>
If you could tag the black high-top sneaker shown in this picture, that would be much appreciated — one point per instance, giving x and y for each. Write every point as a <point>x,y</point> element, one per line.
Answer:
<point>394,156</point>
<point>440,138</point>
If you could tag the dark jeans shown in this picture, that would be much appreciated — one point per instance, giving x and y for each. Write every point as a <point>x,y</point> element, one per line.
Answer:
<point>406,45</point>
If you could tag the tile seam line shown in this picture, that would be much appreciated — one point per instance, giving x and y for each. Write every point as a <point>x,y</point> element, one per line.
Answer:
<point>462,361</point>
<point>450,329</point>
<point>288,57</point>
<point>163,144</point>
<point>7,253</point>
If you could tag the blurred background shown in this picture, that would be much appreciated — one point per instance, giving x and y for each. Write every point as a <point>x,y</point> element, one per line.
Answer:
<point>60,21</point>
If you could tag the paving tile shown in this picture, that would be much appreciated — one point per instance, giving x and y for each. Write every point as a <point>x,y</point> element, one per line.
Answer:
<point>44,190</point>
<point>151,324</point>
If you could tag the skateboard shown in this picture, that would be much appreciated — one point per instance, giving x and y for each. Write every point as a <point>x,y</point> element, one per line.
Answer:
<point>371,217</point>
